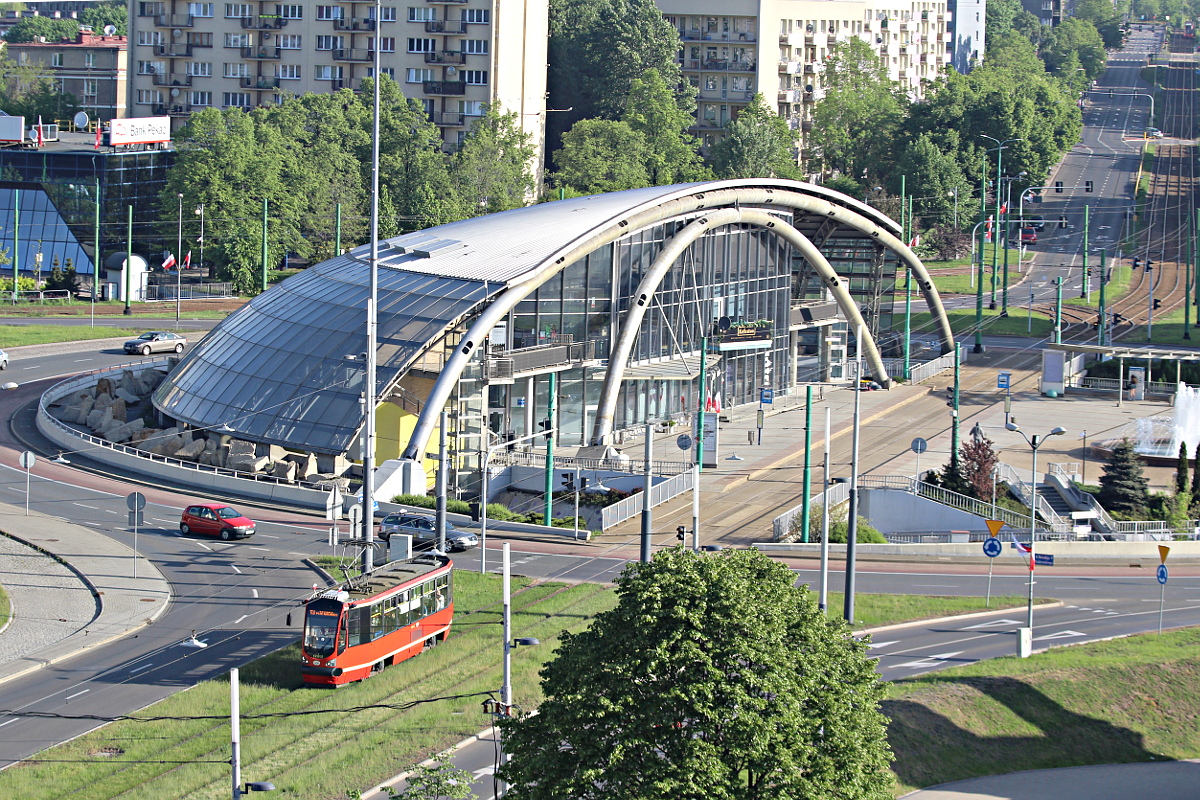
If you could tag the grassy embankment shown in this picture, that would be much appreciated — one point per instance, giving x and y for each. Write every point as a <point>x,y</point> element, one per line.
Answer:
<point>323,755</point>
<point>5,608</point>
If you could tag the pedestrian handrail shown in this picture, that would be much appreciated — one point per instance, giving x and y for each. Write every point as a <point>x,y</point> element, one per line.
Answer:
<point>1067,470</point>
<point>782,525</point>
<point>1018,486</point>
<point>531,458</point>
<point>632,506</point>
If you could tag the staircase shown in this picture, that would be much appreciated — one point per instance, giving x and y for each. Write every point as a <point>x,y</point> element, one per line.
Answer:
<point>1055,499</point>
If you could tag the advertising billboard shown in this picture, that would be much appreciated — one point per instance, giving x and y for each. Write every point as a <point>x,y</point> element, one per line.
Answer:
<point>139,130</point>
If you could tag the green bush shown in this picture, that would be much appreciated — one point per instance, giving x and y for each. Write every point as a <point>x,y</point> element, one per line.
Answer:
<point>839,526</point>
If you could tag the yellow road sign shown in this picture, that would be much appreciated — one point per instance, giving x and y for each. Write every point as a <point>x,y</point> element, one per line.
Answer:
<point>1162,553</point>
<point>994,526</point>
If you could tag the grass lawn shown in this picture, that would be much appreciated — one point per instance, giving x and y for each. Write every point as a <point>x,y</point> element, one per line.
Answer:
<point>5,607</point>
<point>962,322</point>
<point>875,610</point>
<point>316,756</point>
<point>105,308</point>
<point>18,335</point>
<point>1118,286</point>
<point>1122,701</point>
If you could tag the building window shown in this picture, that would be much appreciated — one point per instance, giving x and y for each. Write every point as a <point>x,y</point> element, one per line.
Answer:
<point>389,71</point>
<point>89,60</point>
<point>389,14</point>
<point>472,108</point>
<point>237,70</point>
<point>237,40</point>
<point>387,43</point>
<point>326,13</point>
<point>200,10</point>
<point>477,15</point>
<point>422,45</point>
<point>200,69</point>
<point>328,73</point>
<point>149,38</point>
<point>238,11</point>
<point>287,72</point>
<point>201,98</point>
<point>288,41</point>
<point>419,75</point>
<point>475,77</point>
<point>147,67</point>
<point>291,12</point>
<point>424,14</point>
<point>475,47</point>
<point>56,59</point>
<point>149,97</point>
<point>330,43</point>
<point>91,88</point>
<point>236,99</point>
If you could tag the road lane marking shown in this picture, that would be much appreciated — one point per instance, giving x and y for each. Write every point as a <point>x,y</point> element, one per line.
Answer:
<point>992,624</point>
<point>235,569</point>
<point>238,621</point>
<point>202,544</point>
<point>84,505</point>
<point>1059,635</point>
<point>877,645</point>
<point>68,697</point>
<point>139,669</point>
<point>928,661</point>
<point>251,547</point>
<point>254,593</point>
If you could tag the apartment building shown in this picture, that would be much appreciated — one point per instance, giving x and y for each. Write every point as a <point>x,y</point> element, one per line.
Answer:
<point>93,68</point>
<point>733,49</point>
<point>966,29</point>
<point>455,56</point>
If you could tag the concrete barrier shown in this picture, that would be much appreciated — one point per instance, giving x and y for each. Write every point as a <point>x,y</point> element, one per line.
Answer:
<point>1181,552</point>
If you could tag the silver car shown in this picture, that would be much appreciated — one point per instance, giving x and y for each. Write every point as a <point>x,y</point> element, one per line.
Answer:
<point>423,529</point>
<point>156,342</point>
<point>3,360</point>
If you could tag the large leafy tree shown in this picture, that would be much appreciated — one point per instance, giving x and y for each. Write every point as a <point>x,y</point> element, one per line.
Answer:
<point>758,144</point>
<point>855,124</point>
<point>101,14</point>
<point>714,676</point>
<point>1075,43</point>
<point>1106,19</point>
<point>933,175</point>
<point>658,113</point>
<point>600,155</point>
<point>492,170</point>
<point>30,28</point>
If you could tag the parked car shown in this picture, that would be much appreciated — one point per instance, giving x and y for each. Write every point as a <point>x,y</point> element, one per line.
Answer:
<point>1153,133</point>
<point>156,342</point>
<point>215,519</point>
<point>1028,236</point>
<point>423,529</point>
<point>3,360</point>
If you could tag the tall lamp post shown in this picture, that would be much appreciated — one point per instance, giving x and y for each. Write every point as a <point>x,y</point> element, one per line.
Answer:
<point>200,212</point>
<point>179,260</point>
<point>1035,443</point>
<point>1000,147</point>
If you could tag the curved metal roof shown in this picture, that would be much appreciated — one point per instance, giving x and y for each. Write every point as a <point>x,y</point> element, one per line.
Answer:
<point>276,371</point>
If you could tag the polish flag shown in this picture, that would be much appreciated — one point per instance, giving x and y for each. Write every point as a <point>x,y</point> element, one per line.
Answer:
<point>187,260</point>
<point>168,262</point>
<point>1024,550</point>
<point>916,240</point>
<point>97,135</point>
<point>717,402</point>
<point>40,140</point>
<point>1004,208</point>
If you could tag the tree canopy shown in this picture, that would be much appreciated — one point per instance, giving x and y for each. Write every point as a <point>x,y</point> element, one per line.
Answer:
<point>30,28</point>
<point>101,14</point>
<point>714,676</point>
<point>758,144</point>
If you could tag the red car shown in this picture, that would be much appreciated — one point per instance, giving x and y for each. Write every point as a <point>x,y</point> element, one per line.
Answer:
<point>1028,236</point>
<point>215,519</point>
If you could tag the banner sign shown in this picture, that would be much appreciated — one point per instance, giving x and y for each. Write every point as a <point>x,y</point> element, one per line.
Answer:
<point>139,130</point>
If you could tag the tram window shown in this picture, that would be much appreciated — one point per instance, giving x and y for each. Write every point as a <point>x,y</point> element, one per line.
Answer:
<point>376,621</point>
<point>342,640</point>
<point>391,616</point>
<point>404,610</point>
<point>359,622</point>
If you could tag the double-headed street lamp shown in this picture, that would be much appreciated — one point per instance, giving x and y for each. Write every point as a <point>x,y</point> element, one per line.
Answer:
<point>999,148</point>
<point>1035,443</point>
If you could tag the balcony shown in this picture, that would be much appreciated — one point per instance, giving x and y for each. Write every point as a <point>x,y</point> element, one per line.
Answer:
<point>263,23</point>
<point>173,50</point>
<point>446,119</point>
<point>794,39</point>
<point>172,79</point>
<point>457,88</point>
<point>789,95</point>
<point>354,24</point>
<point>446,1</point>
<point>446,57</point>
<point>259,82</point>
<point>356,54</point>
<point>173,110</point>
<point>810,69</point>
<point>789,67</point>
<point>261,52</point>
<point>173,21</point>
<point>455,26</point>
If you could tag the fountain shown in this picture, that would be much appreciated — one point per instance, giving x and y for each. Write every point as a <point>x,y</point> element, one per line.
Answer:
<point>1156,439</point>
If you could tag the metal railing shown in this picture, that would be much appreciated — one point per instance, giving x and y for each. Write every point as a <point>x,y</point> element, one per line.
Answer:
<point>163,292</point>
<point>1019,487</point>
<point>529,458</point>
<point>781,526</point>
<point>1067,470</point>
<point>632,506</point>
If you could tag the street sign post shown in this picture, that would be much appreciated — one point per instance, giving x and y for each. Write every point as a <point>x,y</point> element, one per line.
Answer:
<point>28,459</point>
<point>135,502</point>
<point>1003,380</point>
<point>1043,559</point>
<point>333,505</point>
<point>992,548</point>
<point>684,442</point>
<point>766,396</point>
<point>919,446</point>
<point>1161,574</point>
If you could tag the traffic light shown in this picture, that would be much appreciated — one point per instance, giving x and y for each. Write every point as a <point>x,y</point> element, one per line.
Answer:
<point>1062,221</point>
<point>583,484</point>
<point>1096,324</point>
<point>546,427</point>
<point>1137,262</point>
<point>1149,265</point>
<point>680,533</point>
<point>569,481</point>
<point>1157,303</point>
<point>1058,187</point>
<point>1087,186</point>
<point>474,511</point>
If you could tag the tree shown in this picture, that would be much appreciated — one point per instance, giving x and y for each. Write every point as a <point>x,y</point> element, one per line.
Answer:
<point>1183,483</point>
<point>856,123</point>
<point>714,676</point>
<point>30,29</point>
<point>1106,19</point>
<point>933,175</point>
<point>1123,485</point>
<point>102,14</point>
<point>839,526</point>
<point>600,155</point>
<point>758,144</point>
<point>1196,481</point>
<point>439,780</point>
<point>491,170</point>
<point>671,153</point>
<point>977,462</point>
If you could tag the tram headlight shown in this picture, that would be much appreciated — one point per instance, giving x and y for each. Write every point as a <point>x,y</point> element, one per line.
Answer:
<point>331,662</point>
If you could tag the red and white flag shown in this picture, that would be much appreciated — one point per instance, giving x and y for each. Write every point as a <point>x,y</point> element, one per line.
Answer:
<point>717,403</point>
<point>40,140</point>
<point>168,262</point>
<point>97,135</point>
<point>1024,549</point>
<point>916,240</point>
<point>1004,208</point>
<point>187,260</point>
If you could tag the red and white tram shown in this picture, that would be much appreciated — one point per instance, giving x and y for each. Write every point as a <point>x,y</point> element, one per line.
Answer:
<point>389,615</point>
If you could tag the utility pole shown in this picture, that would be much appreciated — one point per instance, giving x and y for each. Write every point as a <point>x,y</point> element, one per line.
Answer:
<point>806,501</point>
<point>1085,288</point>
<point>548,504</point>
<point>647,485</point>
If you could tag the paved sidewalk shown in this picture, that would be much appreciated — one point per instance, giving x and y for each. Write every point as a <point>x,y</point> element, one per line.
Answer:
<point>120,603</point>
<point>1166,780</point>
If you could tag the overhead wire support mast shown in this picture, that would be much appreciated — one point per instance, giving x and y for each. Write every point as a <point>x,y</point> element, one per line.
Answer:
<point>368,485</point>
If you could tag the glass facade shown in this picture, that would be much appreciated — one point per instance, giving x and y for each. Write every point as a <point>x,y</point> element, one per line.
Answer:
<point>868,271</point>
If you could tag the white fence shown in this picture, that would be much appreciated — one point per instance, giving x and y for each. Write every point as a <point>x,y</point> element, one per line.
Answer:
<point>838,493</point>
<point>632,506</point>
<point>530,458</point>
<point>924,370</point>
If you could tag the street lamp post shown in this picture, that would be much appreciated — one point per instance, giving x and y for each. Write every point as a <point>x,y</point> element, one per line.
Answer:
<point>179,260</point>
<point>1035,443</point>
<point>978,348</point>
<point>999,148</point>
<point>200,212</point>
<point>483,490</point>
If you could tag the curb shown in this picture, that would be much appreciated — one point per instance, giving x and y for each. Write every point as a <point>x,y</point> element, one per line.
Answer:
<point>390,783</point>
<point>783,460</point>
<point>955,617</point>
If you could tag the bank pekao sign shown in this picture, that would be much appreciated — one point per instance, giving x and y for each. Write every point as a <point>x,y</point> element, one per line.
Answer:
<point>139,130</point>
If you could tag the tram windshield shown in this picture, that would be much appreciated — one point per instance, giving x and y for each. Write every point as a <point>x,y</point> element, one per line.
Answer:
<point>320,627</point>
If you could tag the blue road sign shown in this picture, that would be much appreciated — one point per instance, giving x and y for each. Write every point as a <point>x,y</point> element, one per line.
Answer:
<point>766,396</point>
<point>919,445</point>
<point>1162,573</point>
<point>992,547</point>
<point>1002,380</point>
<point>1043,559</point>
